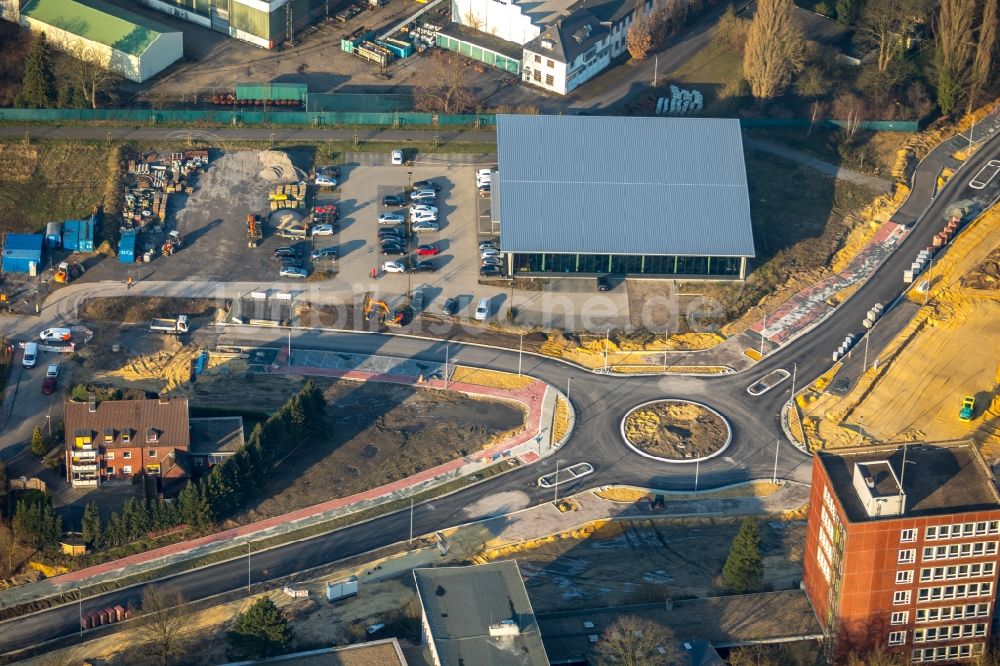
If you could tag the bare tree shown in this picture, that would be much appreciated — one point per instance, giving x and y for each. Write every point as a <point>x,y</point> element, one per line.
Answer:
<point>639,36</point>
<point>986,44</point>
<point>87,69</point>
<point>732,31</point>
<point>448,93</point>
<point>473,20</point>
<point>775,48</point>
<point>884,27</point>
<point>166,622</point>
<point>8,546</point>
<point>953,51</point>
<point>636,641</point>
<point>876,657</point>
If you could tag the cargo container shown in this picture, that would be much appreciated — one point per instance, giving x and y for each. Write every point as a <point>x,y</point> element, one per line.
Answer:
<point>126,247</point>
<point>78,235</point>
<point>53,234</point>
<point>22,253</point>
<point>272,92</point>
<point>342,589</point>
<point>399,48</point>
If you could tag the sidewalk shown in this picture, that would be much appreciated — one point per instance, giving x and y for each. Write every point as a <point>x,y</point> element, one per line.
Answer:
<point>880,185</point>
<point>530,445</point>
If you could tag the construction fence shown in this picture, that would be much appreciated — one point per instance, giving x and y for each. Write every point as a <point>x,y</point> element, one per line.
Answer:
<point>238,118</point>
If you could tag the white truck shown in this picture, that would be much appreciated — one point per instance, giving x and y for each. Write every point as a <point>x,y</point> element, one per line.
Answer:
<point>174,326</point>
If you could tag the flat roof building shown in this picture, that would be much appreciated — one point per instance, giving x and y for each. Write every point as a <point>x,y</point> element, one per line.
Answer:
<point>123,42</point>
<point>479,615</point>
<point>656,197</point>
<point>22,253</point>
<point>902,550</point>
<point>385,652</point>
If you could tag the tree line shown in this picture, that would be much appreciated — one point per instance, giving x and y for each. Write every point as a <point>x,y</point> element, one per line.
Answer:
<point>78,77</point>
<point>203,502</point>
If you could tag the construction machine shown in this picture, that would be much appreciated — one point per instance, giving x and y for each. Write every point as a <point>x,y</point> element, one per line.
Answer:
<point>385,313</point>
<point>172,244</point>
<point>254,233</point>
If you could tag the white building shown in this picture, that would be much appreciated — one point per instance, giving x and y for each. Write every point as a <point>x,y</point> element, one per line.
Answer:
<point>121,41</point>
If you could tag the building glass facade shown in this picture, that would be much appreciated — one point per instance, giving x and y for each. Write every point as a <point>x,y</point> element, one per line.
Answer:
<point>659,265</point>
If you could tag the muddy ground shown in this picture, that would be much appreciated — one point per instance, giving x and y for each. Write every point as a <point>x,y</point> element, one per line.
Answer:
<point>676,430</point>
<point>141,310</point>
<point>377,434</point>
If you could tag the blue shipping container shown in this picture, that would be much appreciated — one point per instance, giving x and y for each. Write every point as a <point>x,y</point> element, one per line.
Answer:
<point>20,251</point>
<point>126,248</point>
<point>78,235</point>
<point>53,234</point>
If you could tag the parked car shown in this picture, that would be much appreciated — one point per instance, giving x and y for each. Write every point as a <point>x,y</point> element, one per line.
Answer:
<point>325,180</point>
<point>56,334</point>
<point>603,284</point>
<point>285,252</point>
<point>291,262</point>
<point>426,226</point>
<point>293,272</point>
<point>490,271</point>
<point>424,267</point>
<point>426,185</point>
<point>423,208</point>
<point>393,200</point>
<point>329,253</point>
<point>420,216</point>
<point>492,261</point>
<point>325,209</point>
<point>450,307</point>
<point>52,371</point>
<point>483,174</point>
<point>397,157</point>
<point>484,191</point>
<point>485,244</point>
<point>48,386</point>
<point>483,309</point>
<point>489,252</point>
<point>391,218</point>
<point>392,232</point>
<point>324,230</point>
<point>392,240</point>
<point>423,195</point>
<point>394,267</point>
<point>428,250</point>
<point>393,250</point>
<point>30,355</point>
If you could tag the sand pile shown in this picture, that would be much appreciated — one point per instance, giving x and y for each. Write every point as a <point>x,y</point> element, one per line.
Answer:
<point>276,166</point>
<point>284,218</point>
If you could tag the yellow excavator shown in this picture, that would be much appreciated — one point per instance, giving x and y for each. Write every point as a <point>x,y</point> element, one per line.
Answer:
<point>385,313</point>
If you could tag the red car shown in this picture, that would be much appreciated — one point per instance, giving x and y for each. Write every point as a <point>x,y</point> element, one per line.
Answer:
<point>427,250</point>
<point>48,386</point>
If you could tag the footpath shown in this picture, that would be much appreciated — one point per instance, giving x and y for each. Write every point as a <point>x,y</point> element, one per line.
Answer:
<point>532,443</point>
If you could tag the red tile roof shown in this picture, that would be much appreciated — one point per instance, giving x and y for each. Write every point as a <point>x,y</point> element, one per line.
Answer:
<point>168,419</point>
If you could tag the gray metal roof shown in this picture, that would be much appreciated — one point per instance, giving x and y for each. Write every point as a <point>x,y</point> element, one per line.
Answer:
<point>460,604</point>
<point>618,185</point>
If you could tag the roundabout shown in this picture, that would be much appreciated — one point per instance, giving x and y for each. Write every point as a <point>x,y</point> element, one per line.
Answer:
<point>674,430</point>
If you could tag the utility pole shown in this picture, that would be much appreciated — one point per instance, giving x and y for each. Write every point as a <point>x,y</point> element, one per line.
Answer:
<point>520,353</point>
<point>697,464</point>
<point>656,66</point>
<point>864,367</point>
<point>555,483</point>
<point>607,346</point>
<point>411,521</point>
<point>569,381</point>
<point>971,131</point>
<point>762,327</point>
<point>795,366</point>
<point>289,349</point>
<point>248,566</point>
<point>447,348</point>
<point>774,477</point>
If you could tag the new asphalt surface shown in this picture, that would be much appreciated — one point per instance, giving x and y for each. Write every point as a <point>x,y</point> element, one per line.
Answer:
<point>600,402</point>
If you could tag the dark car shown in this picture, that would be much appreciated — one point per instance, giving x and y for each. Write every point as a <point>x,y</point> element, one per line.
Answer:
<point>490,271</point>
<point>393,250</point>
<point>424,267</point>
<point>293,262</point>
<point>393,200</point>
<point>392,240</point>
<point>392,232</point>
<point>49,385</point>
<point>450,307</point>
<point>426,185</point>
<point>603,284</point>
<point>282,252</point>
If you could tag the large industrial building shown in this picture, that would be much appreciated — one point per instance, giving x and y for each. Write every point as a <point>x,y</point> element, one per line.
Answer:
<point>264,23</point>
<point>640,197</point>
<point>901,550</point>
<point>123,42</point>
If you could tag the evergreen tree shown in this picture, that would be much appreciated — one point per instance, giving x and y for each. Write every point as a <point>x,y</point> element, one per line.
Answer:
<point>38,446</point>
<point>744,568</point>
<point>262,631</point>
<point>203,513</point>
<point>37,86</point>
<point>36,523</point>
<point>187,503</point>
<point>92,526</point>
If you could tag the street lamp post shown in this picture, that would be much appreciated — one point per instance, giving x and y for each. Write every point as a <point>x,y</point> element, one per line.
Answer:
<point>555,483</point>
<point>774,477</point>
<point>520,353</point>
<point>248,566</point>
<point>762,327</point>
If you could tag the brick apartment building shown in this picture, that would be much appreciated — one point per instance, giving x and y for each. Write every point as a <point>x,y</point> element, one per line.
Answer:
<point>901,550</point>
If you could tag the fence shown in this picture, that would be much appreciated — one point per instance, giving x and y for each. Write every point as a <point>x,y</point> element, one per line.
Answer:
<point>351,118</point>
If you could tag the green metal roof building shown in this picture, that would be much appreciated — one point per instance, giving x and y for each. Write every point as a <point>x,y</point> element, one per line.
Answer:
<point>129,44</point>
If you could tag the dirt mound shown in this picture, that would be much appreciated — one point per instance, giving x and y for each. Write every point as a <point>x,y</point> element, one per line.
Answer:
<point>140,310</point>
<point>276,166</point>
<point>282,218</point>
<point>676,430</point>
<point>986,275</point>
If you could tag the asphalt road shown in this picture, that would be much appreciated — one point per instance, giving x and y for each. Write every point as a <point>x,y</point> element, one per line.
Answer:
<point>600,403</point>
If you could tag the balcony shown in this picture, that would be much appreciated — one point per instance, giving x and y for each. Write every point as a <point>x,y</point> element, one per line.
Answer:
<point>84,467</point>
<point>85,455</point>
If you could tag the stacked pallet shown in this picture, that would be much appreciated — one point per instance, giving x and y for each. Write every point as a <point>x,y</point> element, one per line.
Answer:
<point>287,196</point>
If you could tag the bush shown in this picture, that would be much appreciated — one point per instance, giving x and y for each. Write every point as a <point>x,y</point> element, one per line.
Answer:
<point>38,446</point>
<point>823,9</point>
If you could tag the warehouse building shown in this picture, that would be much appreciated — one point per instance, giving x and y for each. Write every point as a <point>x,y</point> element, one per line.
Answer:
<point>123,42</point>
<point>264,23</point>
<point>485,48</point>
<point>22,253</point>
<point>639,197</point>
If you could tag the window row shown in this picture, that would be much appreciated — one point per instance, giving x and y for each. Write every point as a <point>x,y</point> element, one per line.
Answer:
<point>960,530</point>
<point>949,633</point>
<point>962,591</point>
<point>974,570</point>
<point>824,542</point>
<point>946,653</point>
<point>616,263</point>
<point>127,455</point>
<point>824,566</point>
<point>956,550</point>
<point>946,613</point>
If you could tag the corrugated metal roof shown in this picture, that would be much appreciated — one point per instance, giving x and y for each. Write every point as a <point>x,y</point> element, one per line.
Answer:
<point>272,91</point>
<point>615,185</point>
<point>99,22</point>
<point>22,245</point>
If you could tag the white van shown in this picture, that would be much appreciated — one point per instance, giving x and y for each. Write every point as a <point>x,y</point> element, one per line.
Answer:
<point>58,334</point>
<point>30,355</point>
<point>483,309</point>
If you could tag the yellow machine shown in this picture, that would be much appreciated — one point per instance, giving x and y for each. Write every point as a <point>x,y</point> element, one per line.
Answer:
<point>385,313</point>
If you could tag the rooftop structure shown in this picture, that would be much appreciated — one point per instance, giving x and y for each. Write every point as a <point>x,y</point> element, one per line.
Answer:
<point>660,196</point>
<point>377,653</point>
<point>479,615</point>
